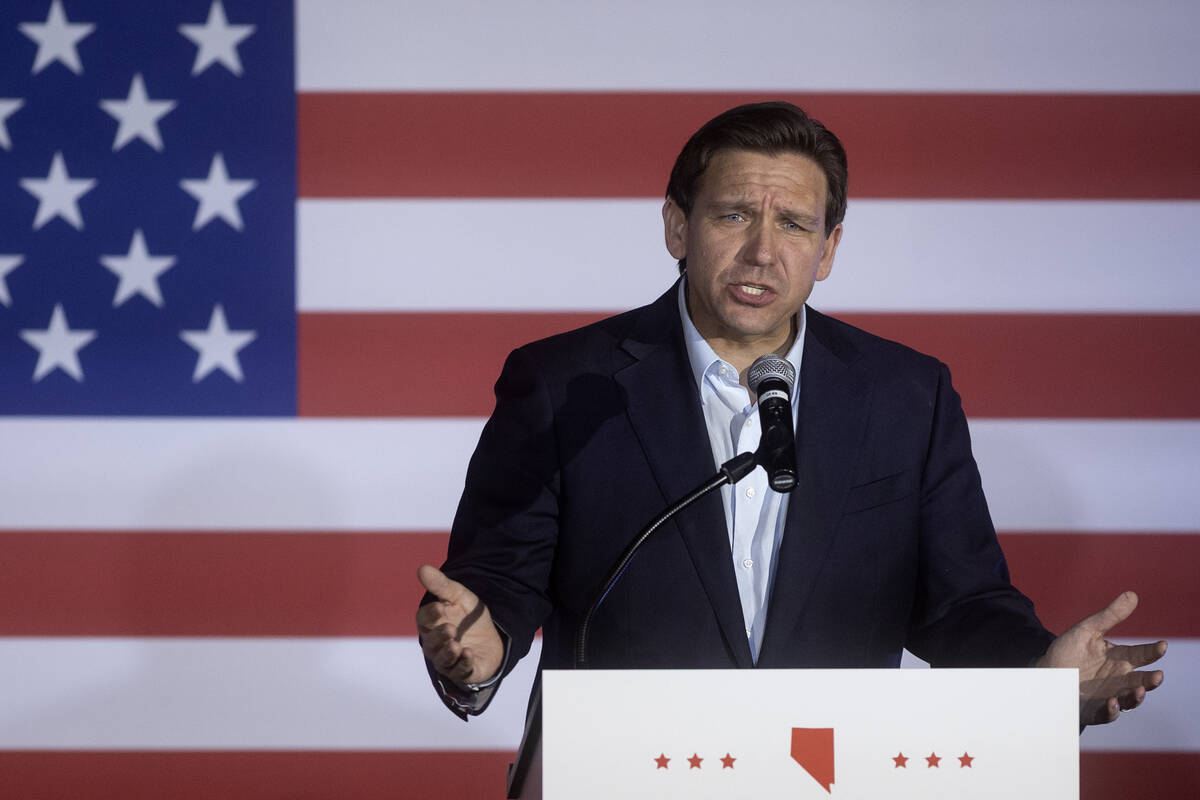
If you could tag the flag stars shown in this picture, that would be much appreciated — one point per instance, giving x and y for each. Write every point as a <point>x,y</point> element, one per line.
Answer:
<point>137,116</point>
<point>56,39</point>
<point>218,195</point>
<point>8,107</point>
<point>694,760</point>
<point>661,760</point>
<point>58,194</point>
<point>217,40</point>
<point>932,761</point>
<point>218,346</point>
<point>727,761</point>
<point>901,761</point>
<point>965,760</point>
<point>138,271</point>
<point>58,346</point>
<point>7,264</point>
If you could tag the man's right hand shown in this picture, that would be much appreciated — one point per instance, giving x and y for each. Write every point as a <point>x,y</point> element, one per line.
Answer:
<point>456,631</point>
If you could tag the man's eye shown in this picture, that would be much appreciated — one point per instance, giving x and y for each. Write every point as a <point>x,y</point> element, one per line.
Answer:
<point>734,217</point>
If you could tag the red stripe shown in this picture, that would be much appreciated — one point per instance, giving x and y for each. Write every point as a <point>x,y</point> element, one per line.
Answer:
<point>364,584</point>
<point>479,775</point>
<point>212,584</point>
<point>605,144</point>
<point>261,775</point>
<point>1004,365</point>
<point>1071,575</point>
<point>425,365</point>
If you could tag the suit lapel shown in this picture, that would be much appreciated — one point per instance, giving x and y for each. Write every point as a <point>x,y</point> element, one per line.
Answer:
<point>834,403</point>
<point>664,411</point>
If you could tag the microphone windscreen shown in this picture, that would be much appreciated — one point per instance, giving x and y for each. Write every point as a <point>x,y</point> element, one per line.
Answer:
<point>771,366</point>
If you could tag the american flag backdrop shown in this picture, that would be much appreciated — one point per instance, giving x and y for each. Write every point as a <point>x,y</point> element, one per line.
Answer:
<point>260,263</point>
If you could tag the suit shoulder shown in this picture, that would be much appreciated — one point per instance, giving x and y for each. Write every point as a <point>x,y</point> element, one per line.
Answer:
<point>876,352</point>
<point>596,346</point>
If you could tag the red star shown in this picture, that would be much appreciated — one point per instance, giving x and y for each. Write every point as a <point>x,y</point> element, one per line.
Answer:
<point>965,760</point>
<point>727,761</point>
<point>933,759</point>
<point>901,760</point>
<point>662,761</point>
<point>695,761</point>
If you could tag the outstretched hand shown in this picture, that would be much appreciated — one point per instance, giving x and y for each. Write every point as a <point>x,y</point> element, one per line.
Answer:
<point>456,631</point>
<point>1110,676</point>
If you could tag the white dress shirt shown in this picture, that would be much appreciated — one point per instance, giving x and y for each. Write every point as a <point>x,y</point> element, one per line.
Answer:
<point>755,513</point>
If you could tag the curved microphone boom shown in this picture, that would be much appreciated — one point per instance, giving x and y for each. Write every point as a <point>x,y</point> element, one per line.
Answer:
<point>771,378</point>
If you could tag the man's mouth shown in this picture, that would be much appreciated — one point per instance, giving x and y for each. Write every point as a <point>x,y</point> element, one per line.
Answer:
<point>751,290</point>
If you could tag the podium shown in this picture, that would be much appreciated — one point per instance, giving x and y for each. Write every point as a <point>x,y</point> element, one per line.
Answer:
<point>961,733</point>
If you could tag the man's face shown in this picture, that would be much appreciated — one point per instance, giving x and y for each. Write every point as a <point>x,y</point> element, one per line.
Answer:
<point>755,244</point>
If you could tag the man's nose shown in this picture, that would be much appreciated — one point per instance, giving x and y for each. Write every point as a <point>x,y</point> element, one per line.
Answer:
<point>761,244</point>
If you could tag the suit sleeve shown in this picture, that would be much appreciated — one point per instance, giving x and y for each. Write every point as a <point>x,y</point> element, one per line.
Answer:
<point>503,539</point>
<point>967,613</point>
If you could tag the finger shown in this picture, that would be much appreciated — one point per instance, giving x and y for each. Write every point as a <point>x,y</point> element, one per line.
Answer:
<point>441,587</point>
<point>438,635</point>
<point>1117,611</point>
<point>437,613</point>
<point>430,616</point>
<point>445,656</point>
<point>433,641</point>
<point>1131,700</point>
<point>1139,655</point>
<point>476,666</point>
<point>462,668</point>
<point>1108,712</point>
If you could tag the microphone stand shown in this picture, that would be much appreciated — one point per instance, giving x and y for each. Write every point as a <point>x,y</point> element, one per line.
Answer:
<point>731,471</point>
<point>524,774</point>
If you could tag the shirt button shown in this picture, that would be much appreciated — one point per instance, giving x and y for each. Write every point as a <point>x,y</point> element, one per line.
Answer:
<point>724,371</point>
<point>748,563</point>
<point>748,633</point>
<point>748,421</point>
<point>750,493</point>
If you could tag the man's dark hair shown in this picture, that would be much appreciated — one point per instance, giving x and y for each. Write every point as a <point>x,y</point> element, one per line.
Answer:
<point>773,128</point>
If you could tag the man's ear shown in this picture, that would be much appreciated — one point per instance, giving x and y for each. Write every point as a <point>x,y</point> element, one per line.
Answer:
<point>831,245</point>
<point>675,229</point>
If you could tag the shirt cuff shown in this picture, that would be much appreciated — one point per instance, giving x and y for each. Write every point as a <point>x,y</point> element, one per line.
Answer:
<point>473,698</point>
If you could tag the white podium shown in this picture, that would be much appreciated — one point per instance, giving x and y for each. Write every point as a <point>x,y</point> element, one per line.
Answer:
<point>978,733</point>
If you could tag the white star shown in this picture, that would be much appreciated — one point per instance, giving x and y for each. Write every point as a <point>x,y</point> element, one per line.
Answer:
<point>58,346</point>
<point>138,115</point>
<point>8,106</point>
<point>58,194</point>
<point>218,195</point>
<point>56,39</point>
<point>7,264</point>
<point>217,40</point>
<point>138,271</point>
<point>218,346</point>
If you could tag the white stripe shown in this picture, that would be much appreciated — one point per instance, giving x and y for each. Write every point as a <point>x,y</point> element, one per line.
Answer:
<point>397,474</point>
<point>434,255</point>
<point>1167,719</point>
<point>1090,475</point>
<point>181,693</point>
<point>253,473</point>
<point>1024,45</point>
<point>329,694</point>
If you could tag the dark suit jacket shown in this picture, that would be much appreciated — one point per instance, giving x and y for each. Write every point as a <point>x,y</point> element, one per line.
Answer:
<point>888,541</point>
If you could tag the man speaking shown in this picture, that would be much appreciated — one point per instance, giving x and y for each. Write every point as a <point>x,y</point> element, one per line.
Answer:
<point>885,543</point>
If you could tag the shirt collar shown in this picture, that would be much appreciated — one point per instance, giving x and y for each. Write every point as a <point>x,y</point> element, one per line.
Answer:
<point>701,356</point>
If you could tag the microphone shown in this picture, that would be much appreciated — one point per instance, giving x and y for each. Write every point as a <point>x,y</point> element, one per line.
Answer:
<point>772,379</point>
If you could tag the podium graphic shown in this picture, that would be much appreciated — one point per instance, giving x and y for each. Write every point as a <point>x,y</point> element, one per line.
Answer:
<point>961,733</point>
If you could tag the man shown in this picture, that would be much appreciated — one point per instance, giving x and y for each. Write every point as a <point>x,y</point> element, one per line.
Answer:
<point>885,544</point>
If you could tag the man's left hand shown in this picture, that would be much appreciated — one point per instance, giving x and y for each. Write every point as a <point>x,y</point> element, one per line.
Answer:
<point>1110,676</point>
